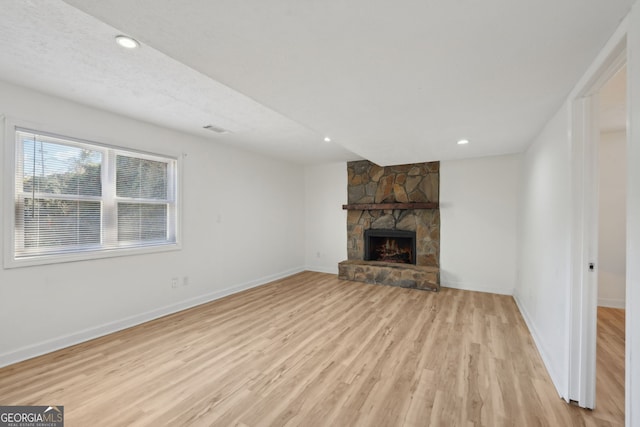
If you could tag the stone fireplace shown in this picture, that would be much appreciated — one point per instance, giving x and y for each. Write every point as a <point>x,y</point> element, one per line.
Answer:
<point>400,200</point>
<point>390,246</point>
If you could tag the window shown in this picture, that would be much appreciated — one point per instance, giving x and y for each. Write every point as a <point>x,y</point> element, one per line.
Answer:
<point>77,200</point>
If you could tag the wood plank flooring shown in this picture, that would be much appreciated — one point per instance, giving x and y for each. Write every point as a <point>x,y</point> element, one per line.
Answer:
<point>309,350</point>
<point>610,364</point>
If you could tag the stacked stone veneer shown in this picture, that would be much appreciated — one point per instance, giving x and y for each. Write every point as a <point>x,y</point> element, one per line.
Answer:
<point>369,183</point>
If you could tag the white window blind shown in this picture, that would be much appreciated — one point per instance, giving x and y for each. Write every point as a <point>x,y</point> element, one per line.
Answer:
<point>141,189</point>
<point>76,197</point>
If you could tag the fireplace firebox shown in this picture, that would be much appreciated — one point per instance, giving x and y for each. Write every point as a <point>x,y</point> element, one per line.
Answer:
<point>397,246</point>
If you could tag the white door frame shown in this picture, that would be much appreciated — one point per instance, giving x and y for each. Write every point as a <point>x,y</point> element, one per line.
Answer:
<point>632,339</point>
<point>582,316</point>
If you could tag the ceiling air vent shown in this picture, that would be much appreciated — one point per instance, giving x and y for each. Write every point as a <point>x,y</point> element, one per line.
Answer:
<point>215,129</point>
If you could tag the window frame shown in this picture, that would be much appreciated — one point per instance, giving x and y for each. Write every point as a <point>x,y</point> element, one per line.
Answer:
<point>109,152</point>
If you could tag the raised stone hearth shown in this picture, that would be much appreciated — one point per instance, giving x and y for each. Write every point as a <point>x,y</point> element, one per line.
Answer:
<point>389,273</point>
<point>402,198</point>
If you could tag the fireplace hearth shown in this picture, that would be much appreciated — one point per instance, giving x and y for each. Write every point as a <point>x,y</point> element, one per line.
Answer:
<point>396,246</point>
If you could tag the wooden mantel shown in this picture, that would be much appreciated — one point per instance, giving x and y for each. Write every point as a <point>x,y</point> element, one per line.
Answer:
<point>386,206</point>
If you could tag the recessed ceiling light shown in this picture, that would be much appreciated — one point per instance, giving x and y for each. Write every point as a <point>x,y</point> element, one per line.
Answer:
<point>127,42</point>
<point>327,139</point>
<point>463,141</point>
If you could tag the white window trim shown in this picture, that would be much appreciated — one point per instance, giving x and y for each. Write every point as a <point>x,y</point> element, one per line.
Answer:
<point>9,179</point>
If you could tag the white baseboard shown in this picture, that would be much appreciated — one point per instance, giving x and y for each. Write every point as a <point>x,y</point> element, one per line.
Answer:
<point>68,340</point>
<point>476,288</point>
<point>611,303</point>
<point>322,269</point>
<point>555,377</point>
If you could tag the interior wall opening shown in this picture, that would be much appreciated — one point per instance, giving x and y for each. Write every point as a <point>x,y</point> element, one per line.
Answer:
<point>611,248</point>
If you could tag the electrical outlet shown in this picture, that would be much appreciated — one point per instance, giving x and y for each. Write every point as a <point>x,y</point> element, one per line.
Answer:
<point>174,282</point>
<point>185,281</point>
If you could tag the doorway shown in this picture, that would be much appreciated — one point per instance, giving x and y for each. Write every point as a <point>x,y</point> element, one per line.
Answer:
<point>586,136</point>
<point>611,259</point>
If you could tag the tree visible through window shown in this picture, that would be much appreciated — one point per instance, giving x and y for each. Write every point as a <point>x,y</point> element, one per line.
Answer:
<point>72,196</point>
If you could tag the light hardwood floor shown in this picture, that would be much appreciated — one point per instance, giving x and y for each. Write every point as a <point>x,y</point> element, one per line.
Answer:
<point>610,365</point>
<point>304,351</point>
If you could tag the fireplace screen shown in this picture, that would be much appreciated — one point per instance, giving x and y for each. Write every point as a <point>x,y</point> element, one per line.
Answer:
<point>390,246</point>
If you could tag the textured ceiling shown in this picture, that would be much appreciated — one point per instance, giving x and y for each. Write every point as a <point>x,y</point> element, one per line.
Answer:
<point>394,83</point>
<point>55,48</point>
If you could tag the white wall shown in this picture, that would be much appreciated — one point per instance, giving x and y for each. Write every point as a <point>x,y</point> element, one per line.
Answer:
<point>326,221</point>
<point>258,201</point>
<point>612,176</point>
<point>545,241</point>
<point>479,226</point>
<point>632,343</point>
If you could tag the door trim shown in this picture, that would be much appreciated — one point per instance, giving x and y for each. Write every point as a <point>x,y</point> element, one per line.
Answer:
<point>583,298</point>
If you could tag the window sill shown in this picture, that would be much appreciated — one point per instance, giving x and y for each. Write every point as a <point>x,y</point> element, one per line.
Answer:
<point>88,255</point>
